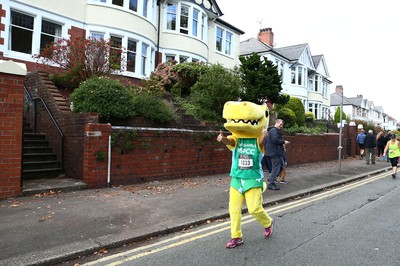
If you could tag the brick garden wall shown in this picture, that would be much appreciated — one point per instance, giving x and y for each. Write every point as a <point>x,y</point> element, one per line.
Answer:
<point>11,110</point>
<point>161,154</point>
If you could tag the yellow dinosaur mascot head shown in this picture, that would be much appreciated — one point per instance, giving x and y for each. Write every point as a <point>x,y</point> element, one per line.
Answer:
<point>245,119</point>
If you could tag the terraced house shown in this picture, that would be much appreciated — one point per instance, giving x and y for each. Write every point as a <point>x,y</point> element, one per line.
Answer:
<point>149,31</point>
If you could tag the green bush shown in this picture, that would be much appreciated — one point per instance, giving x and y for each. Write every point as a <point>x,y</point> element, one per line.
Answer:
<point>108,97</point>
<point>288,116</point>
<point>154,108</point>
<point>297,107</point>
<point>213,89</point>
<point>309,117</point>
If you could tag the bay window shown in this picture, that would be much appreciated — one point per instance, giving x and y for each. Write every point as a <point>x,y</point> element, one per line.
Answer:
<point>186,19</point>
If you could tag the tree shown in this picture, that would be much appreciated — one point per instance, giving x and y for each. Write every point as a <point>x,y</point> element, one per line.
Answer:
<point>213,89</point>
<point>337,115</point>
<point>79,59</point>
<point>261,80</point>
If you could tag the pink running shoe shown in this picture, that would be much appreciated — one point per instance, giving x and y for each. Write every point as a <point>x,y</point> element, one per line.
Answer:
<point>269,230</point>
<point>234,242</point>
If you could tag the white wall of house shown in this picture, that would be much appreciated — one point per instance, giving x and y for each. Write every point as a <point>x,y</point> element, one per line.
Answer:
<point>134,27</point>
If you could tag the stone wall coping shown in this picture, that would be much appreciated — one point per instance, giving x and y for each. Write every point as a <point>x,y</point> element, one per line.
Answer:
<point>11,67</point>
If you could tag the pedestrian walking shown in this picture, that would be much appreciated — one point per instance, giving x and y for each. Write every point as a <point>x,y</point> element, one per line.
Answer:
<point>276,151</point>
<point>360,140</point>
<point>380,144</point>
<point>393,149</point>
<point>387,139</point>
<point>370,144</point>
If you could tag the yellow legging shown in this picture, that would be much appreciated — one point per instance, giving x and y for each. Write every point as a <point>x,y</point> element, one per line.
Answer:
<point>254,201</point>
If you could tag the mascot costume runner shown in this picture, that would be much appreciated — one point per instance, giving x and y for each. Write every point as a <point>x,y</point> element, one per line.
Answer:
<point>247,122</point>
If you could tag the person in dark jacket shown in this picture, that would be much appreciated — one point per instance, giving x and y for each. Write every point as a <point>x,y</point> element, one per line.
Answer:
<point>275,151</point>
<point>380,143</point>
<point>370,144</point>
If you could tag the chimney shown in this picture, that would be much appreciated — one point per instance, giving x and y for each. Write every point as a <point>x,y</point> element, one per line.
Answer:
<point>266,36</point>
<point>339,89</point>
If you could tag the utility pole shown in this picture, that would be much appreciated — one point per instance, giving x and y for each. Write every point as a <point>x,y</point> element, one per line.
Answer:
<point>340,136</point>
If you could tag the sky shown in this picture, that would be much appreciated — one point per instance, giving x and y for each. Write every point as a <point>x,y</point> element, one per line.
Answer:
<point>358,38</point>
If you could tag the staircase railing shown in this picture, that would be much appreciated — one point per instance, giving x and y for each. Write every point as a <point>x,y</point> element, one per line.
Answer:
<point>61,135</point>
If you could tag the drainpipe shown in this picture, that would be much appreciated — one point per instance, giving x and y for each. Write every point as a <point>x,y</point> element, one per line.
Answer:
<point>158,33</point>
<point>109,162</point>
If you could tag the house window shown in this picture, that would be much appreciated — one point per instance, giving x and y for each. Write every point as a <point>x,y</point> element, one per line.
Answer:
<point>184,25</point>
<point>228,43</point>
<point>220,33</point>
<point>145,7</point>
<point>316,82</point>
<point>131,56</point>
<point>118,2</point>
<point>325,89</point>
<point>115,52</point>
<point>51,32</point>
<point>133,5</point>
<point>97,36</point>
<point>183,59</point>
<point>195,22</point>
<point>171,16</point>
<point>293,75</point>
<point>310,83</point>
<point>170,58</point>
<point>145,47</point>
<point>299,75</point>
<point>281,71</point>
<point>203,23</point>
<point>21,32</point>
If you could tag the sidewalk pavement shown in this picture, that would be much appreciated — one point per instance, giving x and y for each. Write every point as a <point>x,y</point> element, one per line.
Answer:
<point>54,227</point>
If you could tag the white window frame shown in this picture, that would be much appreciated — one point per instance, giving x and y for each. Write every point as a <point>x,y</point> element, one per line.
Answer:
<point>224,41</point>
<point>57,36</point>
<point>202,25</point>
<point>32,31</point>
<point>130,52</point>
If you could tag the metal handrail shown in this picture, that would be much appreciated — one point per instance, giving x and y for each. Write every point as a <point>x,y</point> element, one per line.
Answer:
<point>52,119</point>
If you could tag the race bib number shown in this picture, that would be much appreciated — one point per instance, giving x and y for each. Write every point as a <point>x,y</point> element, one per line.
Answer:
<point>245,162</point>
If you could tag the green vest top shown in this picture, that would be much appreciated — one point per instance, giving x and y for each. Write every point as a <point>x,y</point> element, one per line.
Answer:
<point>246,159</point>
<point>394,150</point>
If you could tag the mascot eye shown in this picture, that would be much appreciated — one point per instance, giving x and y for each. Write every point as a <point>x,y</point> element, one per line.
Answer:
<point>266,113</point>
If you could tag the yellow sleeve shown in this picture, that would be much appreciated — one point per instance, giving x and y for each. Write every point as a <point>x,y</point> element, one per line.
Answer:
<point>235,139</point>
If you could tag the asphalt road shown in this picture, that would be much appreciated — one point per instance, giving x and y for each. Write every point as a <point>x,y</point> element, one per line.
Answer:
<point>358,224</point>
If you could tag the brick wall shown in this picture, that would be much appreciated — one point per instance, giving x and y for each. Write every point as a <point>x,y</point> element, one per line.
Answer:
<point>2,25</point>
<point>11,109</point>
<point>169,154</point>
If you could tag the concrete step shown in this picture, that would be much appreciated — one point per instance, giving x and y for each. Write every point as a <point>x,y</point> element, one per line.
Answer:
<point>53,185</point>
